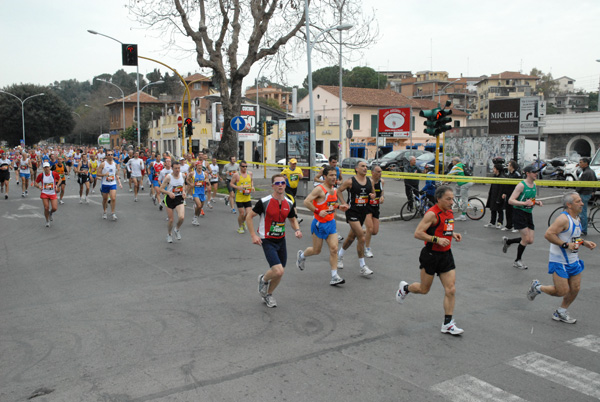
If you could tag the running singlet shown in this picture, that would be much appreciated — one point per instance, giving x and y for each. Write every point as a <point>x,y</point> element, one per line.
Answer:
<point>157,166</point>
<point>176,185</point>
<point>443,228</point>
<point>48,182</point>
<point>329,205</point>
<point>375,201</point>
<point>571,235</point>
<point>60,169</point>
<point>110,169</point>
<point>527,194</point>
<point>273,214</point>
<point>24,166</point>
<point>84,170</point>
<point>244,194</point>
<point>292,177</point>
<point>358,196</point>
<point>214,173</point>
<point>93,167</point>
<point>199,183</point>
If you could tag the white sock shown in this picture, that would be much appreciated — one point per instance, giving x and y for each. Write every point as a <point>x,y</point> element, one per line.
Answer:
<point>341,252</point>
<point>333,272</point>
<point>538,288</point>
<point>302,254</point>
<point>561,310</point>
<point>361,261</point>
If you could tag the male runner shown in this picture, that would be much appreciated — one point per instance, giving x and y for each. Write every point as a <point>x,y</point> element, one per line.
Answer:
<point>323,201</point>
<point>173,186</point>
<point>214,181</point>
<point>108,171</point>
<point>197,181</point>
<point>167,169</point>
<point>273,210</point>
<point>126,172</point>
<point>360,192</point>
<point>61,168</point>
<point>372,221</point>
<point>436,229</point>
<point>93,171</point>
<point>523,200</point>
<point>5,167</point>
<point>48,182</point>
<point>243,185</point>
<point>565,266</point>
<point>25,173</point>
<point>82,169</point>
<point>293,175</point>
<point>229,170</point>
<point>135,166</point>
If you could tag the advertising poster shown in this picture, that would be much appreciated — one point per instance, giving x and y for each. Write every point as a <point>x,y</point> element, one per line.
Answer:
<point>298,141</point>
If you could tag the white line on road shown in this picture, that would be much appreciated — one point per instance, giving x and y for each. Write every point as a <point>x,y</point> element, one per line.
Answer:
<point>559,372</point>
<point>590,342</point>
<point>466,388</point>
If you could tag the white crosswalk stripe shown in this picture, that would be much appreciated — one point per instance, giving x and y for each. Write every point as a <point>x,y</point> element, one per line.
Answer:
<point>466,388</point>
<point>559,372</point>
<point>590,342</point>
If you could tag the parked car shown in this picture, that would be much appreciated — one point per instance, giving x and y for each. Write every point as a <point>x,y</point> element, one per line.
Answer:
<point>350,163</point>
<point>320,160</point>
<point>395,160</point>
<point>561,168</point>
<point>428,158</point>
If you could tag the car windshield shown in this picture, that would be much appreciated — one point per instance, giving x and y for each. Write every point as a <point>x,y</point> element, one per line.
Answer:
<point>427,156</point>
<point>391,155</point>
<point>596,160</point>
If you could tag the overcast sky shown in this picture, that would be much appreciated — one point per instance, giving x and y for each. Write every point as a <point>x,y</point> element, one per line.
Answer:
<point>47,41</point>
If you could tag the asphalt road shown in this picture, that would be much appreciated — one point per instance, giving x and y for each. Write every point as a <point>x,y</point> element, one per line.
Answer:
<point>95,310</point>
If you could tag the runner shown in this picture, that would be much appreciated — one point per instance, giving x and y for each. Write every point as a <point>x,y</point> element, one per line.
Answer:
<point>25,173</point>
<point>565,266</point>
<point>523,200</point>
<point>243,184</point>
<point>48,182</point>
<point>93,171</point>
<point>167,169</point>
<point>197,180</point>
<point>436,229</point>
<point>323,201</point>
<point>214,182</point>
<point>109,172</point>
<point>82,169</point>
<point>360,193</point>
<point>157,167</point>
<point>76,160</point>
<point>126,172</point>
<point>34,157</point>
<point>135,166</point>
<point>60,167</point>
<point>273,210</point>
<point>5,166</point>
<point>173,186</point>
<point>372,220</point>
<point>229,170</point>
<point>293,175</point>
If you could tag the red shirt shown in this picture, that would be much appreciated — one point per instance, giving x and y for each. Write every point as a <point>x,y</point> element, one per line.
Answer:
<point>443,228</point>
<point>329,205</point>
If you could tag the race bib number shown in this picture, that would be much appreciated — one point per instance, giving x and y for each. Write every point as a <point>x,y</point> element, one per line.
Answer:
<point>62,175</point>
<point>331,206</point>
<point>448,227</point>
<point>246,191</point>
<point>24,167</point>
<point>230,173</point>
<point>374,201</point>
<point>110,178</point>
<point>361,200</point>
<point>199,183</point>
<point>49,186</point>
<point>294,177</point>
<point>177,190</point>
<point>277,229</point>
<point>578,242</point>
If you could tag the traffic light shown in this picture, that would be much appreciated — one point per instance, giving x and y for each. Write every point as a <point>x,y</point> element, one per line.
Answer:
<point>442,120</point>
<point>270,125</point>
<point>189,127</point>
<point>259,128</point>
<point>130,55</point>
<point>431,122</point>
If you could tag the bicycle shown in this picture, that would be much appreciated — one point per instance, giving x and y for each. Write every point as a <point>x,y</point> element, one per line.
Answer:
<point>420,205</point>
<point>475,208</point>
<point>593,215</point>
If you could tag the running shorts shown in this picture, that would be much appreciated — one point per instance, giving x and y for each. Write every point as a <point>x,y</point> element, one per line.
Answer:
<point>436,262</point>
<point>173,203</point>
<point>522,219</point>
<point>354,216</point>
<point>323,230</point>
<point>566,270</point>
<point>275,251</point>
<point>106,188</point>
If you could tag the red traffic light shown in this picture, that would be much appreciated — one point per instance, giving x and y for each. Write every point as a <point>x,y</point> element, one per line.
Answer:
<point>188,121</point>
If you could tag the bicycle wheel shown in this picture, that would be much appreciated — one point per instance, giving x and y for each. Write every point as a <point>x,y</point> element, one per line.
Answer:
<point>555,214</point>
<point>407,215</point>
<point>456,207</point>
<point>595,220</point>
<point>475,208</point>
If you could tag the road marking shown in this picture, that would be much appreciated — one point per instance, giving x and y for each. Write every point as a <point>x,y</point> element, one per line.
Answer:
<point>590,342</point>
<point>27,206</point>
<point>466,388</point>
<point>560,372</point>
<point>17,216</point>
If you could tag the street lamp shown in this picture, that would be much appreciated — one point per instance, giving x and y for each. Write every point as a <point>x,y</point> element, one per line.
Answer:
<point>91,107</point>
<point>78,115</point>
<point>309,46</point>
<point>444,87</point>
<point>22,108</point>
<point>598,60</point>
<point>137,81</point>
<point>122,97</point>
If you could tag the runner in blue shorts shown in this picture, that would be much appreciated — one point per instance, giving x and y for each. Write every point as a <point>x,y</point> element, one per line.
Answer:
<point>197,179</point>
<point>565,266</point>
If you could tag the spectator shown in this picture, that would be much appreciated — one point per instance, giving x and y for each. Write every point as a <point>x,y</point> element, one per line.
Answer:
<point>513,173</point>
<point>587,174</point>
<point>256,156</point>
<point>411,185</point>
<point>462,188</point>
<point>495,201</point>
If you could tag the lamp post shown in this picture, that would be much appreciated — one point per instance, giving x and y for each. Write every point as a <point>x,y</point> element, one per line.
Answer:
<point>137,81</point>
<point>309,46</point>
<point>91,107</point>
<point>78,115</point>
<point>122,97</point>
<point>442,90</point>
<point>598,60</point>
<point>22,108</point>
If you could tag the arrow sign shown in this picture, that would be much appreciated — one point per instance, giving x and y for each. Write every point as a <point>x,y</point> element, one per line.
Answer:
<point>15,216</point>
<point>238,123</point>
<point>26,206</point>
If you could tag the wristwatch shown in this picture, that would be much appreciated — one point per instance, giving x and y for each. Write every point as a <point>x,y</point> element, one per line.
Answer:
<point>565,245</point>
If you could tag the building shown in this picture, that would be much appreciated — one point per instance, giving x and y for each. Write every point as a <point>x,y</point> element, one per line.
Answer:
<point>565,100</point>
<point>283,98</point>
<point>360,108</point>
<point>394,78</point>
<point>508,84</point>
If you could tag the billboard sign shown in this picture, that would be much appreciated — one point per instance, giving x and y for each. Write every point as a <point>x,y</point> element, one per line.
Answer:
<point>394,122</point>
<point>248,113</point>
<point>515,116</point>
<point>297,134</point>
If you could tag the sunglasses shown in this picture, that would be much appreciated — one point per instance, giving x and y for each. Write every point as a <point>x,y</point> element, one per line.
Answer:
<point>109,154</point>
<point>244,166</point>
<point>279,183</point>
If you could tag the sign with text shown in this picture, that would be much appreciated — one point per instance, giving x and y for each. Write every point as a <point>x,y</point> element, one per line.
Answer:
<point>394,122</point>
<point>515,116</point>
<point>298,141</point>
<point>248,114</point>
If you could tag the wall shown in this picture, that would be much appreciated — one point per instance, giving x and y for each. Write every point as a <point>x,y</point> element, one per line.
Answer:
<point>480,150</point>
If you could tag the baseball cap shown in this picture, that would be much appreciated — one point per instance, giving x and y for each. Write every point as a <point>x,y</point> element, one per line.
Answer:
<point>530,169</point>
<point>46,164</point>
<point>181,158</point>
<point>293,160</point>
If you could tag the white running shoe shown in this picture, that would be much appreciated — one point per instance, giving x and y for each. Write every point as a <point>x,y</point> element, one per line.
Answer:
<point>131,190</point>
<point>114,217</point>
<point>300,260</point>
<point>81,200</point>
<point>336,280</point>
<point>451,328</point>
<point>519,265</point>
<point>195,222</point>
<point>563,317</point>
<point>61,202</point>
<point>177,234</point>
<point>461,218</point>
<point>340,263</point>
<point>368,252</point>
<point>47,224</point>
<point>365,271</point>
<point>169,239</point>
<point>401,294</point>
<point>135,199</point>
<point>489,225</point>
<point>93,191</point>
<point>86,200</point>
<point>498,226</point>
<point>104,216</point>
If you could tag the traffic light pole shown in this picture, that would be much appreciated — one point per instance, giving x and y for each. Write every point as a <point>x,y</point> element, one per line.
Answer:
<point>265,148</point>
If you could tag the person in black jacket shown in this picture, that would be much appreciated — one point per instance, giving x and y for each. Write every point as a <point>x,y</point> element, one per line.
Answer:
<point>495,201</point>
<point>513,173</point>
<point>587,174</point>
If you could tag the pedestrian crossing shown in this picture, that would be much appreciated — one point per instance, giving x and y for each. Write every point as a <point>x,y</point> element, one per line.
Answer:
<point>467,388</point>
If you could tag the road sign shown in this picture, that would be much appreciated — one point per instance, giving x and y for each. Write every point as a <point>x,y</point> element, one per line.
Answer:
<point>349,133</point>
<point>179,121</point>
<point>394,122</point>
<point>515,116</point>
<point>542,109</point>
<point>238,123</point>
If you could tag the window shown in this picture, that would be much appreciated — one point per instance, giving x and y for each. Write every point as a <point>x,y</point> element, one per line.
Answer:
<point>456,123</point>
<point>197,85</point>
<point>356,121</point>
<point>373,125</point>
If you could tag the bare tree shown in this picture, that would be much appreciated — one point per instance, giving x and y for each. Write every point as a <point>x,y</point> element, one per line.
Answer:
<point>229,36</point>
